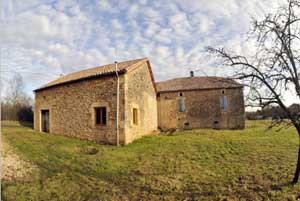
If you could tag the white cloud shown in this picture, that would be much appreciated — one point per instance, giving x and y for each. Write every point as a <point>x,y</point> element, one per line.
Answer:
<point>178,19</point>
<point>163,51</point>
<point>143,2</point>
<point>133,11</point>
<point>59,49</point>
<point>179,55</point>
<point>65,36</point>
<point>151,14</point>
<point>164,36</point>
<point>103,5</point>
<point>116,24</point>
<point>202,23</point>
<point>151,29</point>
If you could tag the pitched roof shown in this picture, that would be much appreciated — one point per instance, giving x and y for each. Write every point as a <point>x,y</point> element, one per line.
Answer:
<point>195,83</point>
<point>100,71</point>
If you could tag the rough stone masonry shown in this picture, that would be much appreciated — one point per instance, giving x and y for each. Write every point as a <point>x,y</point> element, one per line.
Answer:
<point>83,104</point>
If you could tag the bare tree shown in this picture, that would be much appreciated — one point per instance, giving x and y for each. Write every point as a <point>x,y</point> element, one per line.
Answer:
<point>273,69</point>
<point>17,105</point>
<point>15,89</point>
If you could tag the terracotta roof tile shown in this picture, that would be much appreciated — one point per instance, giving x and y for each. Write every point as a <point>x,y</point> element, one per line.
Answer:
<point>108,69</point>
<point>194,83</point>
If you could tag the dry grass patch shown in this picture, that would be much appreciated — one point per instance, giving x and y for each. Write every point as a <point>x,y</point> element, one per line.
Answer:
<point>14,168</point>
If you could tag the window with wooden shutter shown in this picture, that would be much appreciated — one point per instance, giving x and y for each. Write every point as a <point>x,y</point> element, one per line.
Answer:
<point>100,116</point>
<point>223,102</point>
<point>181,105</point>
<point>135,116</point>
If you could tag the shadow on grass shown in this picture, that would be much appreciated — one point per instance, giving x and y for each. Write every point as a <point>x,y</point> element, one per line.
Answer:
<point>279,187</point>
<point>16,124</point>
<point>26,124</point>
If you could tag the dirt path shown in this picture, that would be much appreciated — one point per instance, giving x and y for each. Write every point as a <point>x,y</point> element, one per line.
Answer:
<point>13,167</point>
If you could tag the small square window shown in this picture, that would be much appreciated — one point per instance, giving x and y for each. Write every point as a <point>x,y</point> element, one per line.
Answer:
<point>100,116</point>
<point>135,116</point>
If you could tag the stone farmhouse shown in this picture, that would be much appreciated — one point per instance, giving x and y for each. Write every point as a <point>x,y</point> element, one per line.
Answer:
<point>118,103</point>
<point>200,102</point>
<point>84,104</point>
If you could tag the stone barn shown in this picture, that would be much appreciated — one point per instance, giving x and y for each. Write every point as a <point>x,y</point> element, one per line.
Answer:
<point>200,102</point>
<point>113,104</point>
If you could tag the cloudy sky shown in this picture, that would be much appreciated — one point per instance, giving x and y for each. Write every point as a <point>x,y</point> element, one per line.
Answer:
<point>44,39</point>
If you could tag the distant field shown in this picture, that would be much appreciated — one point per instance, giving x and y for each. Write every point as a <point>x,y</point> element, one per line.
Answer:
<point>253,164</point>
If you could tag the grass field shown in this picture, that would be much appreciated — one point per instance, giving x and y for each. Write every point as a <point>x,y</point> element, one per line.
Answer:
<point>253,164</point>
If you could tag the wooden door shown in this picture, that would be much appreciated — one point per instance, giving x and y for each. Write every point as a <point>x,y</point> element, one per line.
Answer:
<point>45,121</point>
<point>169,113</point>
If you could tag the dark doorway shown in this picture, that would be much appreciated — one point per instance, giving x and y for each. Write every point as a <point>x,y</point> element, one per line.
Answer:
<point>45,121</point>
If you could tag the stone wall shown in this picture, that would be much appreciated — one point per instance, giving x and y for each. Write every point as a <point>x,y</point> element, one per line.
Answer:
<point>72,113</point>
<point>202,109</point>
<point>72,105</point>
<point>140,94</point>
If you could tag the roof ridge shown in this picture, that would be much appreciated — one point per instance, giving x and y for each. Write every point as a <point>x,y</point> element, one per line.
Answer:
<point>199,82</point>
<point>104,70</point>
<point>91,68</point>
<point>177,78</point>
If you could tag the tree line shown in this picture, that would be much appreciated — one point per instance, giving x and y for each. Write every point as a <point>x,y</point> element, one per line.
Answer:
<point>273,112</point>
<point>16,105</point>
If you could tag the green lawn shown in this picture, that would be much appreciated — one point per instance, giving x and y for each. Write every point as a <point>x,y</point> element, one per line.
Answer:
<point>253,164</point>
